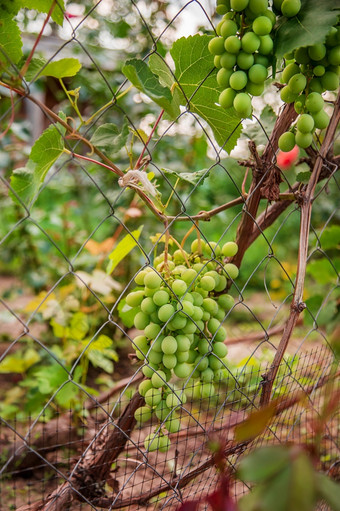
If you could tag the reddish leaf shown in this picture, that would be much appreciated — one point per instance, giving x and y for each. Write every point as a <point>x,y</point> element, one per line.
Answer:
<point>190,505</point>
<point>221,499</point>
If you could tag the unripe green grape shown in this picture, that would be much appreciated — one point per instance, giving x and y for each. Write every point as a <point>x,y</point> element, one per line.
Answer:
<point>334,56</point>
<point>262,26</point>
<point>189,275</point>
<point>331,39</point>
<point>157,344</point>
<point>179,287</point>
<point>261,59</point>
<point>223,77</point>
<point>315,86</point>
<point>305,123</point>
<point>210,305</point>
<point>178,322</point>
<point>213,325</point>
<point>318,70</point>
<point>303,140</point>
<point>226,98</point>
<point>199,267</point>
<point>257,73</point>
<point>186,307</point>
<point>152,280</point>
<point>169,345</point>
<point>166,312</point>
<point>290,8</point>
<point>217,61</point>
<point>143,414</point>
<point>220,349</point>
<point>301,56</point>
<point>154,357</point>
<point>228,28</point>
<point>197,315</point>
<point>164,444</point>
<point>200,325</point>
<point>149,292</point>
<point>221,9</point>
<point>207,283</point>
<point>271,15</point>
<point>232,44</point>
<point>207,390</point>
<point>162,410</point>
<point>314,102</point>
<point>153,397</point>
<point>144,386</point>
<point>214,275</point>
<point>232,270</point>
<point>330,80</point>
<point>158,379</point>
<point>321,120</point>
<point>219,26</point>
<point>228,60</point>
<point>289,71</point>
<point>161,297</point>
<point>226,301</point>
<point>216,46</point>
<point>182,370</point>
<point>172,425</point>
<point>189,328</point>
<point>287,141</point>
<point>141,320</point>
<point>221,334</point>
<point>203,346</point>
<point>169,361</point>
<point>250,42</point>
<point>198,299</point>
<point>139,278</point>
<point>238,80</point>
<point>287,95</point>
<point>135,298</point>
<point>214,363</point>
<point>152,443</point>
<point>266,45</point>
<point>317,51</point>
<point>212,249</point>
<point>148,306</point>
<point>229,249</point>
<point>201,363</point>
<point>188,298</point>
<point>297,83</point>
<point>192,356</point>
<point>222,284</point>
<point>207,375</point>
<point>149,370</point>
<point>258,6</point>
<point>244,60</point>
<point>242,104</point>
<point>255,89</point>
<point>239,5</point>
<point>182,356</point>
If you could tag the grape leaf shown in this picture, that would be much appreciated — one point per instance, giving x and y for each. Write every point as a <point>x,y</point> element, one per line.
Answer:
<point>328,490</point>
<point>10,40</point>
<point>26,182</point>
<point>309,27</point>
<point>58,69</point>
<point>197,80</point>
<point>190,177</point>
<point>141,76</point>
<point>123,248</point>
<point>44,6</point>
<point>110,137</point>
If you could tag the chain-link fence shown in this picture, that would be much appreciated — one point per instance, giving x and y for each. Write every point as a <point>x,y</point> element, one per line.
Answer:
<point>68,431</point>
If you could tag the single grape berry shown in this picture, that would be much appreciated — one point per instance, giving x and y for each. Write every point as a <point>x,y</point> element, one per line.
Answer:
<point>262,25</point>
<point>238,80</point>
<point>297,83</point>
<point>239,5</point>
<point>314,102</point>
<point>287,141</point>
<point>305,123</point>
<point>216,46</point>
<point>250,42</point>
<point>257,73</point>
<point>242,104</point>
<point>290,8</point>
<point>228,28</point>
<point>226,98</point>
<point>232,44</point>
<point>303,140</point>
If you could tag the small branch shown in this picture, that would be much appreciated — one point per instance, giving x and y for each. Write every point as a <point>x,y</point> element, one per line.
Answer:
<point>298,305</point>
<point>92,160</point>
<point>29,58</point>
<point>138,163</point>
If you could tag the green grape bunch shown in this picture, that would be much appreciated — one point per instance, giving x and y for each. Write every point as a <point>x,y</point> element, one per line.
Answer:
<point>180,305</point>
<point>242,51</point>
<point>309,72</point>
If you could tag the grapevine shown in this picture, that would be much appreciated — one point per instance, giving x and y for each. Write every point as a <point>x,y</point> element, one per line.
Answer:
<point>179,307</point>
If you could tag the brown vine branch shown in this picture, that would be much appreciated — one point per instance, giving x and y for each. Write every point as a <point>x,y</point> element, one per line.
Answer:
<point>297,305</point>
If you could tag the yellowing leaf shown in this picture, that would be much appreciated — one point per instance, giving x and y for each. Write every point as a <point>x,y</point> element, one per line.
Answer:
<point>123,248</point>
<point>255,424</point>
<point>38,302</point>
<point>96,248</point>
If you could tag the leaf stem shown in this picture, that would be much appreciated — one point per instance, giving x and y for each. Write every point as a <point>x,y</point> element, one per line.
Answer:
<point>138,163</point>
<point>92,160</point>
<point>73,103</point>
<point>107,105</point>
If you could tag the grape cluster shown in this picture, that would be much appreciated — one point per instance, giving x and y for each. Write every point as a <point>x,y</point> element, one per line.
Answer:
<point>242,51</point>
<point>309,72</point>
<point>179,307</point>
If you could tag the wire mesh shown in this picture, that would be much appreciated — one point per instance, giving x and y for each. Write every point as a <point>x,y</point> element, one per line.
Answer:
<point>43,449</point>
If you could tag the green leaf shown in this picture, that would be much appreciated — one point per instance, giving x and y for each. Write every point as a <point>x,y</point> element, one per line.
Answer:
<point>10,41</point>
<point>110,137</point>
<point>79,326</point>
<point>58,69</point>
<point>36,64</point>
<point>330,237</point>
<point>323,271</point>
<point>303,177</point>
<point>27,181</point>
<point>126,313</point>
<point>309,27</point>
<point>141,76</point>
<point>123,248</point>
<point>258,133</point>
<point>255,424</point>
<point>263,463</point>
<point>329,491</point>
<point>197,78</point>
<point>69,393</point>
<point>45,6</point>
<point>190,177</point>
<point>19,362</point>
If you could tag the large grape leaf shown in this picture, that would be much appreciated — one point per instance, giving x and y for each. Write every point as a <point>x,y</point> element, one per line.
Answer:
<point>10,40</point>
<point>44,6</point>
<point>198,88</point>
<point>110,137</point>
<point>26,181</point>
<point>141,76</point>
<point>309,27</point>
